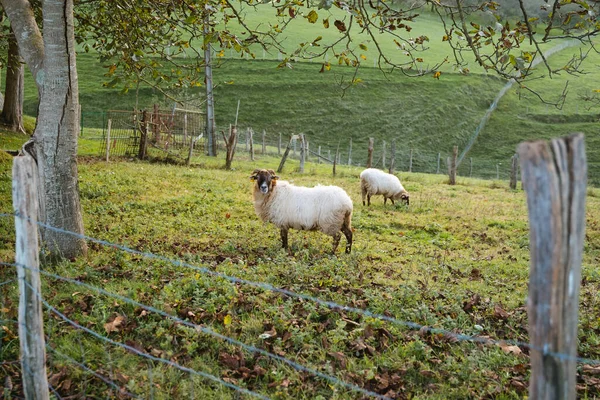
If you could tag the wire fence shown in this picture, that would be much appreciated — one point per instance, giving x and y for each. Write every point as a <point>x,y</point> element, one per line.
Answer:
<point>124,390</point>
<point>171,134</point>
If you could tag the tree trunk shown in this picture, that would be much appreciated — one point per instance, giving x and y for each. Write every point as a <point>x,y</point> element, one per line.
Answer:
<point>12,110</point>
<point>54,143</point>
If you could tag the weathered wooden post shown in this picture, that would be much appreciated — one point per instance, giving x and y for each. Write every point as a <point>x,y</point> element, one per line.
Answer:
<point>302,153</point>
<point>143,136</point>
<point>383,156</point>
<point>438,163</point>
<point>410,161</point>
<point>555,177</point>
<point>393,156</point>
<point>335,160</point>
<point>230,143</point>
<point>470,167</point>
<point>295,136</point>
<point>251,143</point>
<point>307,148</point>
<point>31,321</point>
<point>453,165</point>
<point>370,153</point>
<point>264,143</point>
<point>350,153</point>
<point>285,153</point>
<point>497,172</point>
<point>513,172</point>
<point>108,138</point>
<point>279,145</point>
<point>329,154</point>
<point>190,152</point>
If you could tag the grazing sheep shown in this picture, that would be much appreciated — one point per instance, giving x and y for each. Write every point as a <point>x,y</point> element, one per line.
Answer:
<point>374,181</point>
<point>324,208</point>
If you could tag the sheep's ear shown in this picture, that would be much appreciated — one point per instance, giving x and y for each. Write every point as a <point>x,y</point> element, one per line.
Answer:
<point>274,177</point>
<point>253,177</point>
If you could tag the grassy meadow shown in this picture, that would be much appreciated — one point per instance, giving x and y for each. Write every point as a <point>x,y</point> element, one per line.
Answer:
<point>456,259</point>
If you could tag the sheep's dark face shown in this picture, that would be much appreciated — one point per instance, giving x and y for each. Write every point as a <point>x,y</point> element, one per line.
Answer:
<point>403,196</point>
<point>265,179</point>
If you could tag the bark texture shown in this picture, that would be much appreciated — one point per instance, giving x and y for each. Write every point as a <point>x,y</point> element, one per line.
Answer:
<point>51,59</point>
<point>12,109</point>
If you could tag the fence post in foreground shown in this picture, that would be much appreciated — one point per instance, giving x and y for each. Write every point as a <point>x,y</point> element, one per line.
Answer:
<point>31,322</point>
<point>370,154</point>
<point>393,156</point>
<point>335,160</point>
<point>453,165</point>
<point>438,163</point>
<point>410,161</point>
<point>108,138</point>
<point>513,172</point>
<point>555,177</point>
<point>264,143</point>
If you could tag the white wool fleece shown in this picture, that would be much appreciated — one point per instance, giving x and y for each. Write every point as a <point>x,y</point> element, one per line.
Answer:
<point>379,182</point>
<point>319,208</point>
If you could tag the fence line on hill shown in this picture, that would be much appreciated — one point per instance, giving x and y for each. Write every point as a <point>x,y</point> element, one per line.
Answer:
<point>170,134</point>
<point>332,305</point>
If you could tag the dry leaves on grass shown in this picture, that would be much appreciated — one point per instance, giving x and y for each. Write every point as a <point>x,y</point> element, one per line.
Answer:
<point>115,325</point>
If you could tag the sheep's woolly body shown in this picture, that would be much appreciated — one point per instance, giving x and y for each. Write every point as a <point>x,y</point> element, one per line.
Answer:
<point>374,181</point>
<point>321,208</point>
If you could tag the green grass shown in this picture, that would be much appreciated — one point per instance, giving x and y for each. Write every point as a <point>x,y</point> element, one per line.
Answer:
<point>448,261</point>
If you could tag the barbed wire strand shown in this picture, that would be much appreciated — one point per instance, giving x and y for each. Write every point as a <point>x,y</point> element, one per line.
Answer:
<point>326,303</point>
<point>143,354</point>
<point>7,282</point>
<point>211,332</point>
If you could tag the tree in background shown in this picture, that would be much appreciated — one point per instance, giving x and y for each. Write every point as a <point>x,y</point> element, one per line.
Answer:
<point>14,88</point>
<point>51,60</point>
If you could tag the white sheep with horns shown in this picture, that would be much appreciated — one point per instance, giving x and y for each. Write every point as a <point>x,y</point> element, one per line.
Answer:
<point>324,208</point>
<point>374,181</point>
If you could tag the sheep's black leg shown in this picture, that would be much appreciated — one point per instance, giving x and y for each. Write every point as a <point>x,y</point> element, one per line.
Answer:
<point>363,192</point>
<point>284,237</point>
<point>392,200</point>
<point>336,242</point>
<point>348,233</point>
<point>368,199</point>
<point>384,200</point>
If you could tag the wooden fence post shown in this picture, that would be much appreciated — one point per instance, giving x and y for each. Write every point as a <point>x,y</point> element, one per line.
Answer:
<point>285,153</point>
<point>438,163</point>
<point>251,143</point>
<point>264,144</point>
<point>143,136</point>
<point>230,145</point>
<point>393,156</point>
<point>370,153</point>
<point>350,153</point>
<point>383,156</point>
<point>295,140</point>
<point>453,165</point>
<point>497,172</point>
<point>108,138</point>
<point>335,160</point>
<point>410,161</point>
<point>302,152</point>
<point>470,167</point>
<point>513,172</point>
<point>279,145</point>
<point>555,178</point>
<point>31,321</point>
